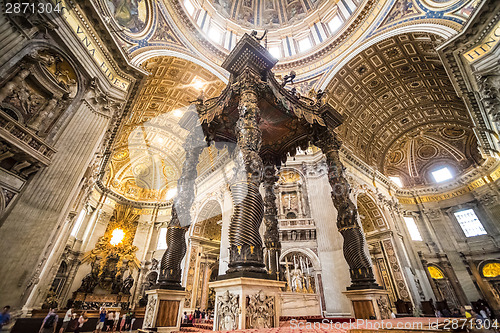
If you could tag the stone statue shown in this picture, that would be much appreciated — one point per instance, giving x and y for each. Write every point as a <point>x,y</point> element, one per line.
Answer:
<point>89,282</point>
<point>127,285</point>
<point>297,279</point>
<point>288,78</point>
<point>260,311</point>
<point>228,312</point>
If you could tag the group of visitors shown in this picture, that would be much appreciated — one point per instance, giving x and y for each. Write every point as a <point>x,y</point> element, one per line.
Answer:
<point>109,321</point>
<point>71,321</point>
<point>195,317</point>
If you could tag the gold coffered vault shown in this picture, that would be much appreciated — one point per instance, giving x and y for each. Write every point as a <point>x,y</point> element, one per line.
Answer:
<point>256,159</point>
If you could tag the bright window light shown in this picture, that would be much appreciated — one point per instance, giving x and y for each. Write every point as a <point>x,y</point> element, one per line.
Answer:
<point>470,223</point>
<point>189,7</point>
<point>397,180</point>
<point>171,193</point>
<point>275,52</point>
<point>78,223</point>
<point>162,239</point>
<point>215,34</point>
<point>442,175</point>
<point>334,24</point>
<point>305,44</point>
<point>412,229</point>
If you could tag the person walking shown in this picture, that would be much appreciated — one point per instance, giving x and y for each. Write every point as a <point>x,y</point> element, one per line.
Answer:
<point>123,321</point>
<point>5,316</point>
<point>101,322</point>
<point>82,320</point>
<point>110,321</point>
<point>49,324</point>
<point>67,318</point>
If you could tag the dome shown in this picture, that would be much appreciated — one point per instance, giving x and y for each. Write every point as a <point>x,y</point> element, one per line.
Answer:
<point>294,27</point>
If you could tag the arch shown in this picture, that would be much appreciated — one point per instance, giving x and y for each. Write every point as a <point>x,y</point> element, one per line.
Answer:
<point>373,218</point>
<point>141,57</point>
<point>306,252</point>
<point>489,269</point>
<point>433,28</point>
<point>435,272</point>
<point>206,220</point>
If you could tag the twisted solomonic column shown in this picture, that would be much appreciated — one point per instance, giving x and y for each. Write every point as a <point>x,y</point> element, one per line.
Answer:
<point>360,266</point>
<point>271,234</point>
<point>246,251</point>
<point>170,269</point>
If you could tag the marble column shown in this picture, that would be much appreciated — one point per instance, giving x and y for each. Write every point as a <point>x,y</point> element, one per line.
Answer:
<point>360,266</point>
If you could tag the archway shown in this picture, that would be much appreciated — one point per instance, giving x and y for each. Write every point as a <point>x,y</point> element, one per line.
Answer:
<point>202,264</point>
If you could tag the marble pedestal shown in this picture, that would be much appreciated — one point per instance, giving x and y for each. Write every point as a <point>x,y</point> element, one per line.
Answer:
<point>299,304</point>
<point>164,310</point>
<point>243,303</point>
<point>369,303</point>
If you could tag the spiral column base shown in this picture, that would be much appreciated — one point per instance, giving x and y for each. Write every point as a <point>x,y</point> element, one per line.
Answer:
<point>171,272</point>
<point>246,250</point>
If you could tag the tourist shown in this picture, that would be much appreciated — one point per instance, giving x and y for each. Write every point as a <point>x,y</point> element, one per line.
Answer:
<point>128,319</point>
<point>5,316</point>
<point>191,317</point>
<point>49,324</point>
<point>102,320</point>
<point>117,320</point>
<point>132,320</point>
<point>203,314</point>
<point>82,320</point>
<point>185,318</point>
<point>110,321</point>
<point>67,318</point>
<point>122,323</point>
<point>197,314</point>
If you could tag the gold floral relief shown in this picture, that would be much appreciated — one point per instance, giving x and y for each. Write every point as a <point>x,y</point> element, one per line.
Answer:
<point>491,270</point>
<point>435,273</point>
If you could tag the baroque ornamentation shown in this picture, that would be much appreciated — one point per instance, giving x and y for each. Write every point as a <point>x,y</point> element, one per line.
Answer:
<point>149,316</point>
<point>260,311</point>
<point>228,312</point>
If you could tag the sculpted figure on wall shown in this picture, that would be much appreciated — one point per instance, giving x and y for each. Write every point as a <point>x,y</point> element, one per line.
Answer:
<point>228,311</point>
<point>260,311</point>
<point>489,88</point>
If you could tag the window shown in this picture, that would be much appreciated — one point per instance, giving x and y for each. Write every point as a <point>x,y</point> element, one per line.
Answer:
<point>334,24</point>
<point>397,180</point>
<point>442,175</point>
<point>162,239</point>
<point>189,7</point>
<point>215,34</point>
<point>305,44</point>
<point>412,229</point>
<point>275,52</point>
<point>470,223</point>
<point>78,223</point>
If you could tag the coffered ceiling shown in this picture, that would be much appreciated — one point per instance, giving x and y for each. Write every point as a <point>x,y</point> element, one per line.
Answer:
<point>401,112</point>
<point>148,153</point>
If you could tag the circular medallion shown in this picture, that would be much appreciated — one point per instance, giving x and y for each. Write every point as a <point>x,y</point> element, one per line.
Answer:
<point>427,152</point>
<point>396,157</point>
<point>130,15</point>
<point>453,132</point>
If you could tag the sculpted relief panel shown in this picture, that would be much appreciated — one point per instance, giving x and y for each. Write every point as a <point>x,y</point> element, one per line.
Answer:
<point>228,312</point>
